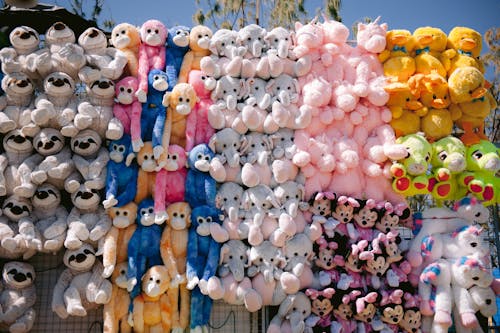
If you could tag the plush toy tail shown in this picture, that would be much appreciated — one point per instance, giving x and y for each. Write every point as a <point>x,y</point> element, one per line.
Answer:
<point>426,246</point>
<point>430,273</point>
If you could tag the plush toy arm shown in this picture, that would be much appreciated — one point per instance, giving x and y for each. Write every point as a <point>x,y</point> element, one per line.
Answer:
<point>446,57</point>
<point>158,129</point>
<point>143,70</point>
<point>191,122</point>
<point>20,305</point>
<point>62,284</point>
<point>464,306</point>
<point>170,60</point>
<point>112,180</point>
<point>384,55</point>
<point>59,226</point>
<point>109,252</point>
<point>95,281</point>
<point>135,120</point>
<point>186,66</point>
<point>192,256</point>
<point>130,191</point>
<point>166,312</point>
<point>212,260</point>
<point>102,226</point>
<point>210,191</point>
<point>166,252</point>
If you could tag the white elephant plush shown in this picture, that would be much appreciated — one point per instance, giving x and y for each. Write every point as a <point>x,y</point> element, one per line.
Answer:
<point>227,145</point>
<point>252,38</point>
<point>225,112</point>
<point>226,57</point>
<point>256,111</point>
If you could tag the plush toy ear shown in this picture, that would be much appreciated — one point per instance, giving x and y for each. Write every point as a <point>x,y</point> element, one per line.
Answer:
<point>298,25</point>
<point>296,84</point>
<point>302,191</point>
<point>212,47</point>
<point>245,201</point>
<point>224,249</point>
<point>286,306</point>
<point>270,85</point>
<point>268,141</point>
<point>245,143</point>
<point>212,142</point>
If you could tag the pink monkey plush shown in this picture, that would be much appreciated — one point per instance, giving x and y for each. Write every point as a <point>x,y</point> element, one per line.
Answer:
<point>169,183</point>
<point>128,109</point>
<point>151,53</point>
<point>198,130</point>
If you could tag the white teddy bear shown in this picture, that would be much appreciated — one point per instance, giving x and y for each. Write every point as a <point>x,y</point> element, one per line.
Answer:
<point>87,221</point>
<point>80,287</point>
<point>25,42</point>
<point>17,297</point>
<point>102,61</point>
<point>56,106</point>
<point>90,161</point>
<point>97,111</point>
<point>18,164</point>
<point>57,164</point>
<point>60,53</point>
<point>17,104</point>
<point>49,217</point>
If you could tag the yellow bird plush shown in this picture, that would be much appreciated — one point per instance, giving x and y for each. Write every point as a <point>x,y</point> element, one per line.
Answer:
<point>464,47</point>
<point>429,44</point>
<point>397,58</point>
<point>406,110</point>
<point>472,102</point>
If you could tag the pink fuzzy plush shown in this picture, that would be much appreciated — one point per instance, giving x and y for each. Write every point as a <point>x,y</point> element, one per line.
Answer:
<point>198,130</point>
<point>169,184</point>
<point>347,178</point>
<point>151,53</point>
<point>128,109</point>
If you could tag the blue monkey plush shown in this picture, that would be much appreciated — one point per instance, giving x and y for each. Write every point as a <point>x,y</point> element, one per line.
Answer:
<point>177,46</point>
<point>121,180</point>
<point>153,114</point>
<point>200,186</point>
<point>201,264</point>
<point>144,247</point>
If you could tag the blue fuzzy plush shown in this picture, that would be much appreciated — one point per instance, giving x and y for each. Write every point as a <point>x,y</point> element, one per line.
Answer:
<point>153,113</point>
<point>143,248</point>
<point>177,46</point>
<point>121,180</point>
<point>200,186</point>
<point>201,264</point>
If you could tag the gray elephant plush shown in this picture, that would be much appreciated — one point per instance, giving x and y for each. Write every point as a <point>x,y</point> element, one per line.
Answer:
<point>255,113</point>
<point>297,273</point>
<point>225,112</point>
<point>284,149</point>
<point>252,38</point>
<point>226,164</point>
<point>229,200</point>
<point>232,285</point>
<point>257,161</point>
<point>226,57</point>
<point>291,315</point>
<point>17,297</point>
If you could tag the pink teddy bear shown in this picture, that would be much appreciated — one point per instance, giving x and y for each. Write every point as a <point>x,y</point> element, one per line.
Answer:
<point>152,53</point>
<point>198,130</point>
<point>347,178</point>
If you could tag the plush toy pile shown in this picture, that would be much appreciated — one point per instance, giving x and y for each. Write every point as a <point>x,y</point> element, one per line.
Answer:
<point>182,166</point>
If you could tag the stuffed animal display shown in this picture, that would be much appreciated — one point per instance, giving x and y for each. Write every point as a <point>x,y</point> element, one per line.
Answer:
<point>255,167</point>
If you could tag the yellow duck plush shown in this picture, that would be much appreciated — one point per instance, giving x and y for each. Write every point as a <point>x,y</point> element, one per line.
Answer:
<point>472,102</point>
<point>429,44</point>
<point>464,47</point>
<point>432,90</point>
<point>406,110</point>
<point>397,58</point>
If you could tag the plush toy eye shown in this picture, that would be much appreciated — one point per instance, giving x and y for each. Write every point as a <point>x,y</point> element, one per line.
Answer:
<point>199,156</point>
<point>118,213</point>
<point>477,214</point>
<point>150,210</point>
<point>175,214</point>
<point>122,89</point>
<point>200,36</point>
<point>443,155</point>
<point>407,99</point>
<point>278,88</point>
<point>143,211</point>
<point>232,42</point>
<point>223,44</point>
<point>200,220</point>
<point>209,219</point>
<point>225,199</point>
<point>151,279</point>
<point>470,92</point>
<point>252,145</point>
<point>121,149</point>
<point>117,34</point>
<point>174,157</point>
<point>477,154</point>
<point>473,244</point>
<point>296,254</point>
<point>157,31</point>
<point>224,92</point>
<point>261,260</point>
<point>125,213</point>
<point>286,38</point>
<point>249,38</point>
<point>276,40</point>
<point>434,97</point>
<point>146,157</point>
<point>257,88</point>
<point>207,158</point>
<point>287,197</point>
<point>235,198</point>
<point>180,99</point>
<point>289,88</point>
<point>149,31</point>
<point>187,100</point>
<point>234,144</point>
<point>178,32</point>
<point>235,90</point>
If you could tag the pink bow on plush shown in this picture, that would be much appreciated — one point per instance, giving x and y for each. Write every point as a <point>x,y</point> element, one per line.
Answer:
<point>346,299</point>
<point>327,293</point>
<point>411,301</point>
<point>362,301</point>
<point>393,297</point>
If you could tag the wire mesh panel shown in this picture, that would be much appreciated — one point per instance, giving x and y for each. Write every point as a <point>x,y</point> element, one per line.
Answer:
<point>232,318</point>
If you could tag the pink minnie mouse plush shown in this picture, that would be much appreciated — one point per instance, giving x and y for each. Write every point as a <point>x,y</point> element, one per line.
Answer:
<point>391,308</point>
<point>412,319</point>
<point>128,109</point>
<point>198,129</point>
<point>365,217</point>
<point>343,305</point>
<point>326,261</point>
<point>351,277</point>
<point>321,308</point>
<point>366,310</point>
<point>343,214</point>
<point>151,53</point>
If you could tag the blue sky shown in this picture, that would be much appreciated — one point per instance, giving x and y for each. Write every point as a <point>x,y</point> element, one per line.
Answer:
<point>399,14</point>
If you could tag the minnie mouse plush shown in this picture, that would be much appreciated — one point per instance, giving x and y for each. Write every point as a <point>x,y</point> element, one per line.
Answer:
<point>343,305</point>
<point>365,217</point>
<point>326,261</point>
<point>343,214</point>
<point>391,308</point>
<point>321,307</point>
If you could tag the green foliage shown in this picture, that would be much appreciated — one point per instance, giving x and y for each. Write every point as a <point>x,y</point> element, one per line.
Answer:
<point>492,59</point>
<point>92,12</point>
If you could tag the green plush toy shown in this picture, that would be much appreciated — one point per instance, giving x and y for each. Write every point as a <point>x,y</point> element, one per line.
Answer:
<point>448,162</point>
<point>483,162</point>
<point>411,176</point>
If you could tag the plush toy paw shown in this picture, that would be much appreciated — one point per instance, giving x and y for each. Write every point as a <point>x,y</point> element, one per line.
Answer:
<point>290,283</point>
<point>69,131</point>
<point>489,193</point>
<point>25,190</point>
<point>192,282</point>
<point>130,319</point>
<point>76,310</point>
<point>73,243</point>
<point>3,190</point>
<point>442,317</point>
<point>131,284</point>
<point>273,328</point>
<point>39,176</point>
<point>160,217</point>
<point>177,330</point>
<point>137,145</point>
<point>402,184</point>
<point>102,297</point>
<point>110,201</point>
<point>398,170</point>
<point>18,328</point>
<point>469,320</point>
<point>7,126</point>
<point>215,288</point>
<point>108,270</point>
<point>114,133</point>
<point>177,280</point>
<point>219,234</point>
<point>52,245</point>
<point>141,96</point>
<point>420,182</point>
<point>202,284</point>
<point>10,244</point>
<point>157,152</point>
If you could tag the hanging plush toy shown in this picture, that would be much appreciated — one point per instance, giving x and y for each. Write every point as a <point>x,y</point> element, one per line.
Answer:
<point>17,233</point>
<point>143,248</point>
<point>177,46</point>
<point>127,109</point>
<point>121,180</point>
<point>200,186</point>
<point>115,312</point>
<point>291,315</point>
<point>125,37</point>
<point>173,250</point>
<point>18,297</point>
<point>463,49</point>
<point>152,311</point>
<point>202,258</point>
<point>429,45</point>
<point>151,54</point>
<point>199,41</point>
<point>399,65</point>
